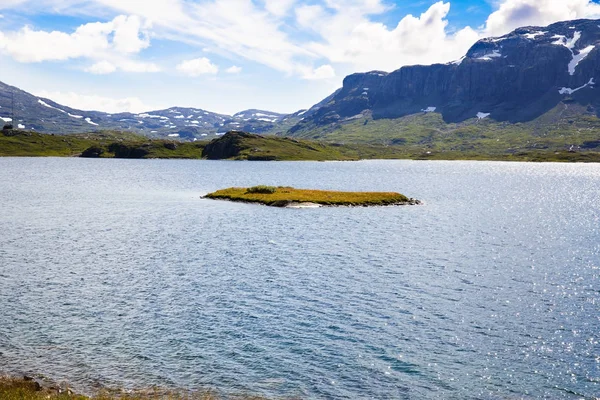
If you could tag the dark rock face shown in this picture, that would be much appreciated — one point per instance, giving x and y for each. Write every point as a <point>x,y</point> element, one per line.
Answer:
<point>125,151</point>
<point>227,146</point>
<point>514,78</point>
<point>92,152</point>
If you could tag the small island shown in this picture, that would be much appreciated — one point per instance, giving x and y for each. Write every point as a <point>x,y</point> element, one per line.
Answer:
<point>302,198</point>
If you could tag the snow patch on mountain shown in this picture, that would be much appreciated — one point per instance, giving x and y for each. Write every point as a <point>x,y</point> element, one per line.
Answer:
<point>89,121</point>
<point>562,40</point>
<point>490,56</point>
<point>571,91</point>
<point>146,115</point>
<point>42,102</point>
<point>533,35</point>
<point>578,58</point>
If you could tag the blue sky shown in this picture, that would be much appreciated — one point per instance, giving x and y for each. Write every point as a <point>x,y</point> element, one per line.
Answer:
<point>230,55</point>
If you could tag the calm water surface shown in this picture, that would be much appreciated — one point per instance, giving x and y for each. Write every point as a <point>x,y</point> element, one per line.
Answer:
<point>115,272</point>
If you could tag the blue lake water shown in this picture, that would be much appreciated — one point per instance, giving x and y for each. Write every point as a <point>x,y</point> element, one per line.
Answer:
<point>116,273</point>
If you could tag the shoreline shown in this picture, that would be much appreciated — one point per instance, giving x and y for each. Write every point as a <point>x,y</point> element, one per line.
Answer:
<point>245,147</point>
<point>36,387</point>
<point>494,160</point>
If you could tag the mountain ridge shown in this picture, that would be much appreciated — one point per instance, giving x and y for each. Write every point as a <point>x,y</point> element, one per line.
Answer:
<point>187,123</point>
<point>513,78</point>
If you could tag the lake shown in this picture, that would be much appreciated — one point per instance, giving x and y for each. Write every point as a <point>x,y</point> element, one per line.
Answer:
<point>116,273</point>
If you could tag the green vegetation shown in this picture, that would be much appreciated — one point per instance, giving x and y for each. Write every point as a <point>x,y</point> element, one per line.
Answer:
<point>104,144</point>
<point>287,196</point>
<point>561,134</point>
<point>418,137</point>
<point>246,146</point>
<point>22,389</point>
<point>262,189</point>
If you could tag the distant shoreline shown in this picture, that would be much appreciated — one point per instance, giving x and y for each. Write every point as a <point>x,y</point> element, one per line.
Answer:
<point>248,147</point>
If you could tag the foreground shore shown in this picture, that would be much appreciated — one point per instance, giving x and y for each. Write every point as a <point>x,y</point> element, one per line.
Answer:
<point>29,388</point>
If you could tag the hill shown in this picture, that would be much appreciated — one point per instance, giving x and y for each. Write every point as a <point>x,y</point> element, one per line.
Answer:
<point>18,143</point>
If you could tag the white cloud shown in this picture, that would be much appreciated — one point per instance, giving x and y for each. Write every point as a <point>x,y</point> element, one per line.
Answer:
<point>106,67</point>
<point>244,28</point>
<point>279,7</point>
<point>357,6</point>
<point>351,38</point>
<point>128,35</point>
<point>197,67</point>
<point>102,68</point>
<point>138,66</point>
<point>108,43</point>
<point>28,45</point>
<point>6,4</point>
<point>344,34</point>
<point>512,14</point>
<point>233,70</point>
<point>305,14</point>
<point>96,103</point>
<point>323,72</point>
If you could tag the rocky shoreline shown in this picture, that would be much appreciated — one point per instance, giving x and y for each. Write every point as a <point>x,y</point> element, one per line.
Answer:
<point>28,387</point>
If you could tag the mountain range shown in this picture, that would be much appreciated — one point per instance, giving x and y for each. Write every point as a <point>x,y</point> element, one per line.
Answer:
<point>46,116</point>
<point>536,81</point>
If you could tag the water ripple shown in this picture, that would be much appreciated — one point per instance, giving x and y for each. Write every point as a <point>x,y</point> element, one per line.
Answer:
<point>115,272</point>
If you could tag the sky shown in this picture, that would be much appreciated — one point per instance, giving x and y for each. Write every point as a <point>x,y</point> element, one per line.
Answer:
<point>230,55</point>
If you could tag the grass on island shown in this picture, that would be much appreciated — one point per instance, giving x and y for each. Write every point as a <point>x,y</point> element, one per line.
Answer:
<point>284,196</point>
<point>22,389</point>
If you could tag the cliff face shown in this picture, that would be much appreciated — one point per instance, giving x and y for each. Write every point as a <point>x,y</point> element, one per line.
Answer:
<point>514,78</point>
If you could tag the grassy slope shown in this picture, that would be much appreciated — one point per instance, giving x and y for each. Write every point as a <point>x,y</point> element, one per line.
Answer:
<point>434,148</point>
<point>290,150</point>
<point>422,136</point>
<point>42,145</point>
<point>282,195</point>
<point>415,135</point>
<point>32,144</point>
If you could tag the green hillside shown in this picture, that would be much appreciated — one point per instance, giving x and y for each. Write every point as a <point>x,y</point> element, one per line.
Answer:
<point>106,145</point>
<point>562,129</point>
